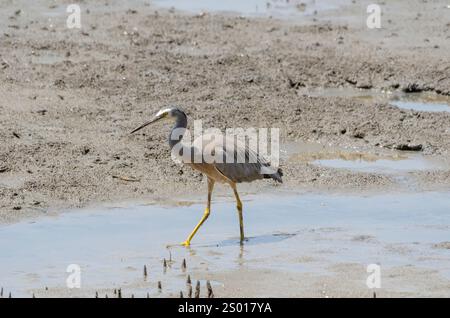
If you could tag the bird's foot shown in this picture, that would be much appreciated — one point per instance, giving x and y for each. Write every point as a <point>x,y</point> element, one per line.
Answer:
<point>243,240</point>
<point>186,243</point>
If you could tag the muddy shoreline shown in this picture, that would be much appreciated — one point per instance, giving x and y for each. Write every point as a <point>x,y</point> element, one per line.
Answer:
<point>68,98</point>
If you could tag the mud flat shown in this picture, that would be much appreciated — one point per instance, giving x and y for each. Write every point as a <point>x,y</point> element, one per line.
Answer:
<point>68,98</point>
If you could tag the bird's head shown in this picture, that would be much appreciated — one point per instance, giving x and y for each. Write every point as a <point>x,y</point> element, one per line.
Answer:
<point>163,114</point>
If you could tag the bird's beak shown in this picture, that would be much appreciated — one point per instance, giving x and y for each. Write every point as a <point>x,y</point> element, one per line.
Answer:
<point>155,119</point>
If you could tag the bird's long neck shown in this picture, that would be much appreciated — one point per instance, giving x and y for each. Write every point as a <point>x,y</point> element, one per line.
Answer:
<point>178,130</point>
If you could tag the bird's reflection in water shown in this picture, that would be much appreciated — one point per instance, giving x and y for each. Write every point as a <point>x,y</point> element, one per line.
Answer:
<point>240,259</point>
<point>249,241</point>
<point>241,247</point>
<point>257,240</point>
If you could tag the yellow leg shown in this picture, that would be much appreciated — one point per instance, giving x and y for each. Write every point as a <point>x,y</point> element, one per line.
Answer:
<point>205,214</point>
<point>239,208</point>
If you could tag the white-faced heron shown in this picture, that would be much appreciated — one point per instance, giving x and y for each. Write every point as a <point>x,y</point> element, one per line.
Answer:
<point>251,167</point>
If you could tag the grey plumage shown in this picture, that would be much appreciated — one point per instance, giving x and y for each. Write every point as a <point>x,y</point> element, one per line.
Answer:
<point>221,158</point>
<point>239,164</point>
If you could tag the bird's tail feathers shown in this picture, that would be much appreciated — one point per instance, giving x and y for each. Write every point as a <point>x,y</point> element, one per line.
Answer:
<point>275,176</point>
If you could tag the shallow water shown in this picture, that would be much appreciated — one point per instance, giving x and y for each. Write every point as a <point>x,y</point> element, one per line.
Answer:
<point>342,92</point>
<point>416,163</point>
<point>112,244</point>
<point>278,8</point>
<point>422,106</point>
<point>423,101</point>
<point>47,58</point>
<point>384,161</point>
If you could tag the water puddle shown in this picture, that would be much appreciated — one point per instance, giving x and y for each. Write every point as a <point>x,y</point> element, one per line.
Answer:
<point>423,101</point>
<point>305,233</point>
<point>424,107</point>
<point>342,92</point>
<point>383,161</point>
<point>251,8</point>
<point>416,163</point>
<point>47,58</point>
<point>426,102</point>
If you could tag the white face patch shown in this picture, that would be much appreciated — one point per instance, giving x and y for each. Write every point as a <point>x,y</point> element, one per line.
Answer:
<point>163,112</point>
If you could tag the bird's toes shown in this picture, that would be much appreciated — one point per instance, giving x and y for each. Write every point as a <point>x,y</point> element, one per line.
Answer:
<point>185,244</point>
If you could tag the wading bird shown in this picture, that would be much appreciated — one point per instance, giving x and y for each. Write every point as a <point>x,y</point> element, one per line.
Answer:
<point>246,165</point>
